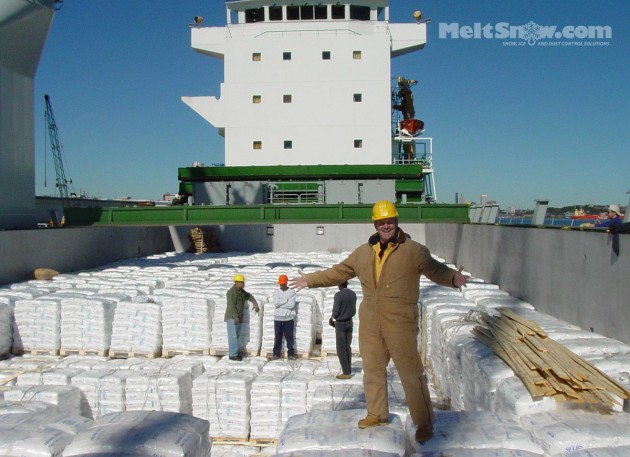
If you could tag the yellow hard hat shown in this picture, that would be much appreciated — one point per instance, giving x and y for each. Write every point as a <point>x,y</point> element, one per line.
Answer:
<point>239,278</point>
<point>383,210</point>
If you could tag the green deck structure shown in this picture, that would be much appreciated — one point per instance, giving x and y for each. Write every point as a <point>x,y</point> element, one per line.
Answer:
<point>256,214</point>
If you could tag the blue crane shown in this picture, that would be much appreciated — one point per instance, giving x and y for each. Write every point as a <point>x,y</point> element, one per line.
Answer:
<point>62,182</point>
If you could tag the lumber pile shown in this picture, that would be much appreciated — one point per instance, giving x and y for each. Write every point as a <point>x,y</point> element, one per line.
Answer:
<point>546,367</point>
<point>204,240</point>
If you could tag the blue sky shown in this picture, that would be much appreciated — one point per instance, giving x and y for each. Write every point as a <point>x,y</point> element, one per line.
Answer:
<point>517,123</point>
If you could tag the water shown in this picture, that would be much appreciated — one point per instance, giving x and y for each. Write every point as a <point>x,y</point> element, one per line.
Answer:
<point>550,221</point>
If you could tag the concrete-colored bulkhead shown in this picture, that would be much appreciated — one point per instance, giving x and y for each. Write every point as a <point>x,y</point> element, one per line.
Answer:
<point>24,26</point>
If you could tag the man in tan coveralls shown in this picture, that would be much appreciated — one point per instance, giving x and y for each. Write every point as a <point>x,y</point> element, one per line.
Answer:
<point>389,266</point>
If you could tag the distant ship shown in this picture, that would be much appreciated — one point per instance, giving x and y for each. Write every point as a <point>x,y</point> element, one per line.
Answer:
<point>579,214</point>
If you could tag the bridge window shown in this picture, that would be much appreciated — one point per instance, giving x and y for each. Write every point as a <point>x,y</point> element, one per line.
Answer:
<point>254,15</point>
<point>358,144</point>
<point>356,55</point>
<point>325,55</point>
<point>286,56</point>
<point>287,98</point>
<point>321,12</point>
<point>256,99</point>
<point>256,57</point>
<point>257,144</point>
<point>288,144</point>
<point>360,13</point>
<point>307,13</point>
<point>358,98</point>
<point>338,11</point>
<point>275,13</point>
<point>293,13</point>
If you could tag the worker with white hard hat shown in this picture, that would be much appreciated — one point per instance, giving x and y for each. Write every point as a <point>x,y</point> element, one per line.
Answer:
<point>613,215</point>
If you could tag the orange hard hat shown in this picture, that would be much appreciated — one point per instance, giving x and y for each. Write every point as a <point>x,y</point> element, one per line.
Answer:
<point>283,279</point>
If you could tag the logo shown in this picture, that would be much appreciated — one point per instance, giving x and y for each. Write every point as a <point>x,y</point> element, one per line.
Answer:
<point>531,34</point>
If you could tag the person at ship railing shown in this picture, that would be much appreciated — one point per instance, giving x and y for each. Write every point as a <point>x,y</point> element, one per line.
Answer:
<point>389,266</point>
<point>614,218</point>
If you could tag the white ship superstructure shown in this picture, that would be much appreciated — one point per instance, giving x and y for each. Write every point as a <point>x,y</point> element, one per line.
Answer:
<point>24,25</point>
<point>307,84</point>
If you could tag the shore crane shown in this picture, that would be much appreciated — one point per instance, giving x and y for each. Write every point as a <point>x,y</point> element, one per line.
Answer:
<point>62,182</point>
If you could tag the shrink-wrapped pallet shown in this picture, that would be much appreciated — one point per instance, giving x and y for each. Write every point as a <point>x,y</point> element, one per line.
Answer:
<point>37,325</point>
<point>38,433</point>
<point>137,328</point>
<point>224,400</point>
<point>559,432</point>
<point>329,393</point>
<point>159,390</point>
<point>90,384</point>
<point>187,323</point>
<point>266,404</point>
<point>143,433</point>
<point>473,430</point>
<point>66,398</point>
<point>337,431</point>
<point>48,377</point>
<point>86,323</point>
<point>6,328</point>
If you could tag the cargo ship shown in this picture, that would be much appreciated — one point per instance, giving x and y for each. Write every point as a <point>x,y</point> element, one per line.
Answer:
<point>567,280</point>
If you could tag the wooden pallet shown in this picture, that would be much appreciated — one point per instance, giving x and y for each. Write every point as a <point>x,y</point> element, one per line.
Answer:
<point>299,355</point>
<point>222,440</point>
<point>173,352</point>
<point>99,352</point>
<point>36,351</point>
<point>263,442</point>
<point>334,354</point>
<point>242,353</point>
<point>114,354</point>
<point>258,442</point>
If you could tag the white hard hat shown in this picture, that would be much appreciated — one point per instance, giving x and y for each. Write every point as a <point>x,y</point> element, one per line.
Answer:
<point>614,208</point>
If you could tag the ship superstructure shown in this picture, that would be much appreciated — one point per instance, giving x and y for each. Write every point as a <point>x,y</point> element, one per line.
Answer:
<point>24,26</point>
<point>307,85</point>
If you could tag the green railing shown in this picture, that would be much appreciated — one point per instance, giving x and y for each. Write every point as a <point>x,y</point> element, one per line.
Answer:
<point>256,214</point>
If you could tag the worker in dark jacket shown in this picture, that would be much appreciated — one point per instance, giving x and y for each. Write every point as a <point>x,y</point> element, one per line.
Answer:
<point>344,309</point>
<point>236,298</point>
<point>613,218</point>
<point>389,266</point>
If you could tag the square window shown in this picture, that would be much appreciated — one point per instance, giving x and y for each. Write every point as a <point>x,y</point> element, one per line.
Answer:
<point>275,13</point>
<point>321,12</point>
<point>325,55</point>
<point>293,13</point>
<point>288,144</point>
<point>256,99</point>
<point>287,98</point>
<point>257,145</point>
<point>356,55</point>
<point>256,56</point>
<point>357,97</point>
<point>338,11</point>
<point>358,144</point>
<point>286,56</point>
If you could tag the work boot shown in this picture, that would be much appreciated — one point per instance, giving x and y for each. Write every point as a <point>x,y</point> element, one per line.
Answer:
<point>343,376</point>
<point>292,357</point>
<point>275,357</point>
<point>371,421</point>
<point>236,358</point>
<point>424,434</point>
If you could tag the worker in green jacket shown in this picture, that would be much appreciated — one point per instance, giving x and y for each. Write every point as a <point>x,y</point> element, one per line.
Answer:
<point>236,297</point>
<point>389,266</point>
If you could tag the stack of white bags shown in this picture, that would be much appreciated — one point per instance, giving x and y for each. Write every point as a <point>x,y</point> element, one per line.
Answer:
<point>137,327</point>
<point>86,323</point>
<point>223,398</point>
<point>186,323</point>
<point>37,325</point>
